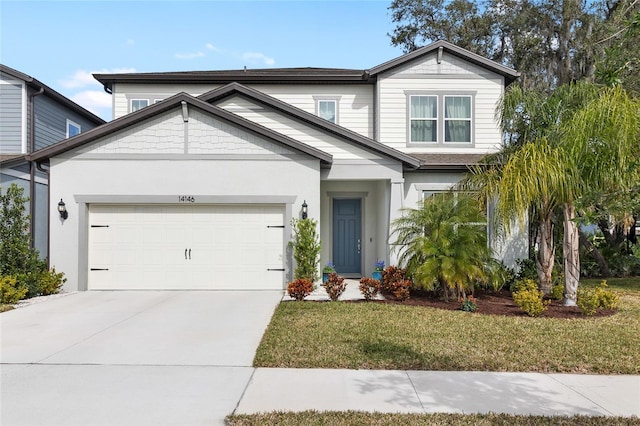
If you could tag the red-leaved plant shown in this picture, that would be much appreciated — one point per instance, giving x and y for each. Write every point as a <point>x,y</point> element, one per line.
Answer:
<point>394,282</point>
<point>300,288</point>
<point>334,286</point>
<point>369,287</point>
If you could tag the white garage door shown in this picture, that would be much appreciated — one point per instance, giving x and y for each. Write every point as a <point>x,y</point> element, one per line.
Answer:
<point>181,247</point>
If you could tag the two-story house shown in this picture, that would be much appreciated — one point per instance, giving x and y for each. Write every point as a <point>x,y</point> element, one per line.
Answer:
<point>195,182</point>
<point>34,116</point>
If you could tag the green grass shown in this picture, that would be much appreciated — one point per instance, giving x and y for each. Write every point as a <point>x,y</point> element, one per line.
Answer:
<point>377,336</point>
<point>360,418</point>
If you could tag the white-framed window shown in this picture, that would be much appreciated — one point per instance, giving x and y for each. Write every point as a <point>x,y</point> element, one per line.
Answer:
<point>73,128</point>
<point>328,109</point>
<point>457,119</point>
<point>423,118</point>
<point>439,118</point>
<point>137,104</point>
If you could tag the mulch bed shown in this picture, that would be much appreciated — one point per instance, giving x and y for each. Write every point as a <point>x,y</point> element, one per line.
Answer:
<point>492,303</point>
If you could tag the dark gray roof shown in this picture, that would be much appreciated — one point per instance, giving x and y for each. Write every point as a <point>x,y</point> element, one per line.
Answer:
<point>168,104</point>
<point>308,75</point>
<point>448,161</point>
<point>48,91</point>
<point>509,74</point>
<point>309,119</point>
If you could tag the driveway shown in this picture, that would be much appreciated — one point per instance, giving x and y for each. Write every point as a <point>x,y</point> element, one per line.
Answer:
<point>130,357</point>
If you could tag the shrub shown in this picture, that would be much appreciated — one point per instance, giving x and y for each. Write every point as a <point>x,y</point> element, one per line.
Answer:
<point>329,268</point>
<point>498,276</point>
<point>469,304</point>
<point>10,291</point>
<point>369,288</point>
<point>529,298</point>
<point>334,286</point>
<point>50,282</point>
<point>300,288</point>
<point>400,290</point>
<point>391,275</point>
<point>557,291</point>
<point>526,269</point>
<point>590,299</point>
<point>306,249</point>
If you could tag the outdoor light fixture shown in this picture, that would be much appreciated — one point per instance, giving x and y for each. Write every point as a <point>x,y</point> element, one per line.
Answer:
<point>62,209</point>
<point>304,209</point>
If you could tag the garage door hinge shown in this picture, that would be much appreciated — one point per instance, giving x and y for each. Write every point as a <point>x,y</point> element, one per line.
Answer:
<point>275,226</point>
<point>276,269</point>
<point>99,226</point>
<point>99,269</point>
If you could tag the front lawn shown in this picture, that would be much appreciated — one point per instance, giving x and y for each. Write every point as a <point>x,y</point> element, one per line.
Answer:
<point>359,418</point>
<point>382,336</point>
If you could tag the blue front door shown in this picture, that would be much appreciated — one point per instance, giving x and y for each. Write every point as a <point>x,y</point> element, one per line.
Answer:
<point>346,236</point>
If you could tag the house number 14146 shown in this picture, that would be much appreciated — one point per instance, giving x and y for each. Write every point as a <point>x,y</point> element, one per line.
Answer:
<point>186,199</point>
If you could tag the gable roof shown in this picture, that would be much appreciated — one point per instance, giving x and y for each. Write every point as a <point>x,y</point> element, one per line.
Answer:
<point>309,119</point>
<point>166,105</point>
<point>306,75</point>
<point>48,91</point>
<point>509,74</point>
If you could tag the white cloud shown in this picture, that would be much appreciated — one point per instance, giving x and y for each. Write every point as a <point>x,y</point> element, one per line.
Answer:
<point>82,78</point>
<point>96,101</point>
<point>255,57</point>
<point>213,48</point>
<point>191,55</point>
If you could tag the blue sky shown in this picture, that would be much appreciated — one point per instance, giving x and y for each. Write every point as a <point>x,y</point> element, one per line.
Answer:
<point>62,42</point>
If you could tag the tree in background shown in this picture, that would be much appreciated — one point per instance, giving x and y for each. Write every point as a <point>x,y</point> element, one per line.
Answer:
<point>306,249</point>
<point>551,42</point>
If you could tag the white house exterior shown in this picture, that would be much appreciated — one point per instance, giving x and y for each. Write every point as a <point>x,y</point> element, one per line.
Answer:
<point>195,182</point>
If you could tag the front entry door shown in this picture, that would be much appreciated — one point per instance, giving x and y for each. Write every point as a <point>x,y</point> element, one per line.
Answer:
<point>347,245</point>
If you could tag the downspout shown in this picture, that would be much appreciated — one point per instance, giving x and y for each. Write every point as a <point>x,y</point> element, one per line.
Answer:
<point>32,168</point>
<point>46,172</point>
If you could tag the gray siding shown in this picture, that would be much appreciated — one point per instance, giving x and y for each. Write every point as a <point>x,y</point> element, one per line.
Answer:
<point>51,121</point>
<point>10,117</point>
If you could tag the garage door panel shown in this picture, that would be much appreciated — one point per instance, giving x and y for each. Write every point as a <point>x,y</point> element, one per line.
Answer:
<point>183,247</point>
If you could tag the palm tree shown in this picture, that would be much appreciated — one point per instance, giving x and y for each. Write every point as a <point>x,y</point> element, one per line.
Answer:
<point>443,243</point>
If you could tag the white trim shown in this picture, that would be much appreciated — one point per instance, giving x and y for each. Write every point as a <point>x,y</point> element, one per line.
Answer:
<point>74,124</point>
<point>24,118</point>
<point>445,119</point>
<point>336,102</point>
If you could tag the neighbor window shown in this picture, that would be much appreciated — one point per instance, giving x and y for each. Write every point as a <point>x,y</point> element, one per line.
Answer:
<point>137,104</point>
<point>328,109</point>
<point>73,129</point>
<point>424,118</point>
<point>439,118</point>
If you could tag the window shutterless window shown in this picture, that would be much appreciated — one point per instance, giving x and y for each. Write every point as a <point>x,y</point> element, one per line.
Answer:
<point>73,128</point>
<point>328,109</point>
<point>457,119</point>
<point>137,104</point>
<point>423,111</point>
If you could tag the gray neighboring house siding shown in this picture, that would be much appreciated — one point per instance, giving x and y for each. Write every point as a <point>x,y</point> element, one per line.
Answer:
<point>10,116</point>
<point>51,112</point>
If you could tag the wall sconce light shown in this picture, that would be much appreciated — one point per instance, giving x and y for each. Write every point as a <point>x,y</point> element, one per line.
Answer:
<point>62,209</point>
<point>304,209</point>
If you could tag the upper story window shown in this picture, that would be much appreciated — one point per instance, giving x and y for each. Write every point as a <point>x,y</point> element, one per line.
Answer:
<point>440,119</point>
<point>327,107</point>
<point>137,104</point>
<point>327,110</point>
<point>73,129</point>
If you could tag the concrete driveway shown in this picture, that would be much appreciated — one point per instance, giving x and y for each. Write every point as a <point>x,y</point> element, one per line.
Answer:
<point>130,357</point>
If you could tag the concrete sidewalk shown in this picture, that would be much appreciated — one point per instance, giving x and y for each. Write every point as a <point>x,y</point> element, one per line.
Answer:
<point>278,389</point>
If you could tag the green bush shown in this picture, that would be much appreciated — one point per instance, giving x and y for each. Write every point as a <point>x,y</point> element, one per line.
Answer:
<point>306,249</point>
<point>334,286</point>
<point>369,288</point>
<point>557,291</point>
<point>498,276</point>
<point>469,304</point>
<point>592,299</point>
<point>300,288</point>
<point>529,298</point>
<point>50,282</point>
<point>10,290</point>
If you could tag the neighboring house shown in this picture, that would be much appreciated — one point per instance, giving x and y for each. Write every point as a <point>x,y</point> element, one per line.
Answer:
<point>196,180</point>
<point>34,116</point>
